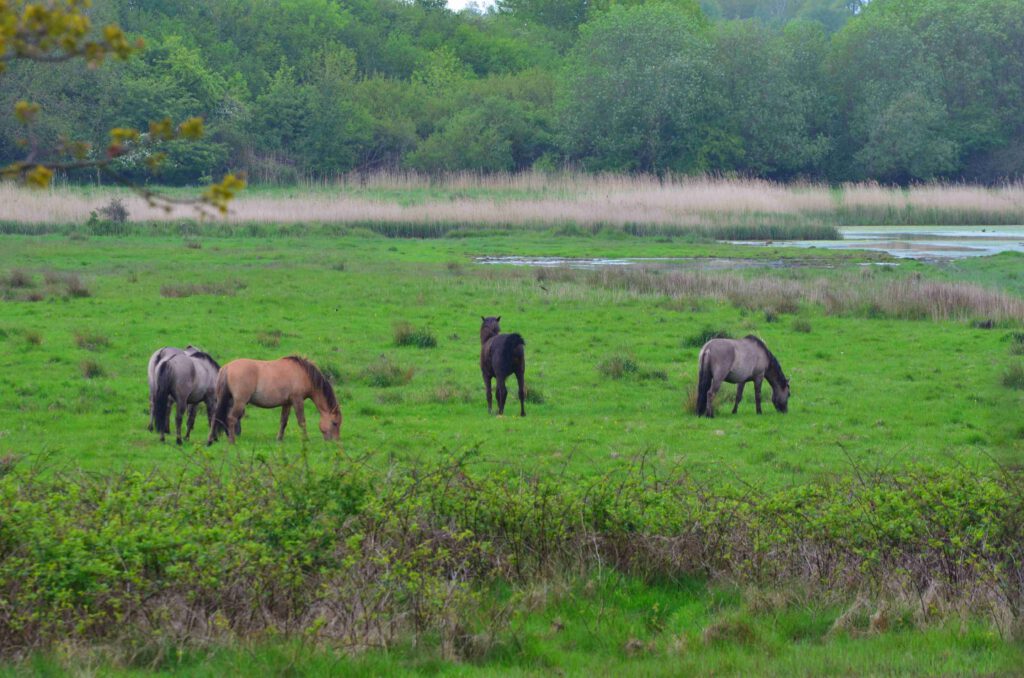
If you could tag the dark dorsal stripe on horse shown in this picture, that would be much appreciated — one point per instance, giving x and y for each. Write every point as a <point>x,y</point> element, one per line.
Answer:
<point>318,379</point>
<point>774,368</point>
<point>199,355</point>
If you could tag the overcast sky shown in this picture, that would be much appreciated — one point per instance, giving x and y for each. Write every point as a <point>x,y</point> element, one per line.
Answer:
<point>456,5</point>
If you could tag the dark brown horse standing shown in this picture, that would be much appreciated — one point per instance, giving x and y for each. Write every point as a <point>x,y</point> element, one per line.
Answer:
<point>738,361</point>
<point>500,356</point>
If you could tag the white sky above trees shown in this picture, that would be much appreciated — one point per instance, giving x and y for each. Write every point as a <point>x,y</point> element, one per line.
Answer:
<point>456,5</point>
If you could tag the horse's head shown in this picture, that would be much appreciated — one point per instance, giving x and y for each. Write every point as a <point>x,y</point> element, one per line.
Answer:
<point>330,424</point>
<point>490,327</point>
<point>780,396</point>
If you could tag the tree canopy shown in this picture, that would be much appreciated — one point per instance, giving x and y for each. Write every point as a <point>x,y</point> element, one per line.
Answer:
<point>836,90</point>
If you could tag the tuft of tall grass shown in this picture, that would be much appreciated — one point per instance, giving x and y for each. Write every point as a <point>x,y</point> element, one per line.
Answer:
<point>407,335</point>
<point>226,288</point>
<point>1013,376</point>
<point>704,335</point>
<point>385,373</point>
<point>91,369</point>
<point>91,341</point>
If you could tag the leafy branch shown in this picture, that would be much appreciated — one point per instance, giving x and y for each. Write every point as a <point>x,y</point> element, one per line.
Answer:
<point>60,30</point>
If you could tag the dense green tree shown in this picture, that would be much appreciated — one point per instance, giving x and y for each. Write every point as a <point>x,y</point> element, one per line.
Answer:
<point>634,90</point>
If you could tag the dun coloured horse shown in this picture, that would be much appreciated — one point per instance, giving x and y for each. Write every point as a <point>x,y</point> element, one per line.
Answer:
<point>188,377</point>
<point>738,361</point>
<point>285,383</point>
<point>500,356</point>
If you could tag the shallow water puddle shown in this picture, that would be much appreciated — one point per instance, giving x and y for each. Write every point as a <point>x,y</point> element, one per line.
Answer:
<point>690,263</point>
<point>936,243</point>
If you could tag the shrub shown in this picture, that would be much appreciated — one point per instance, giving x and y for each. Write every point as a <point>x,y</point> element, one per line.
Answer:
<point>407,335</point>
<point>91,341</point>
<point>384,373</point>
<point>114,211</point>
<point>135,559</point>
<point>705,335</point>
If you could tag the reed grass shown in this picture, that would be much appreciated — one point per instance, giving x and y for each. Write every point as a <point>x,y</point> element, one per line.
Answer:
<point>398,204</point>
<point>909,298</point>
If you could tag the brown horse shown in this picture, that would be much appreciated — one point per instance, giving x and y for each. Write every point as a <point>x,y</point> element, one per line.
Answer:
<point>738,361</point>
<point>284,383</point>
<point>500,356</point>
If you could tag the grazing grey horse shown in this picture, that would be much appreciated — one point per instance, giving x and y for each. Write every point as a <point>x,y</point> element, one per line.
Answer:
<point>738,361</point>
<point>159,356</point>
<point>189,378</point>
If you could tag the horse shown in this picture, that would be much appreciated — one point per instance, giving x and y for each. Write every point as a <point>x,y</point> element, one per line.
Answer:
<point>285,383</point>
<point>158,356</point>
<point>738,361</point>
<point>500,356</point>
<point>188,377</point>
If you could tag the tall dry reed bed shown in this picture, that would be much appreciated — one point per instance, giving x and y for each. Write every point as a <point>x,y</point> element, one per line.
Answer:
<point>862,294</point>
<point>546,200</point>
<point>363,558</point>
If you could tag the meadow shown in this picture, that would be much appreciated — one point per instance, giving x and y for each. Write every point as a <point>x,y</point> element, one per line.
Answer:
<point>904,377</point>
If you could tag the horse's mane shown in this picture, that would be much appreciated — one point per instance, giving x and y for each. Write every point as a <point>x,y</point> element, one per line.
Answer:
<point>773,362</point>
<point>320,382</point>
<point>205,356</point>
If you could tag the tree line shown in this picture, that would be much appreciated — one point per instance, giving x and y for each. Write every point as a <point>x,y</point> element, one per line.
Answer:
<point>890,90</point>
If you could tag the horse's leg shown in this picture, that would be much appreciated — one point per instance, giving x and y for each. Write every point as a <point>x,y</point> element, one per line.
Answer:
<point>285,411</point>
<point>502,395</point>
<point>211,404</point>
<point>234,414</point>
<point>716,383</point>
<point>192,410</point>
<point>739,395</point>
<point>300,416</point>
<point>757,393</point>
<point>179,413</point>
<point>521,379</point>
<point>487,385</point>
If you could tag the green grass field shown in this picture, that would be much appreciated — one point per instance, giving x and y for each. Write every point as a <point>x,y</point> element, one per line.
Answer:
<point>872,392</point>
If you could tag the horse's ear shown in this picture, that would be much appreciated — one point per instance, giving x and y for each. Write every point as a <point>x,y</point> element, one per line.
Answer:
<point>483,319</point>
<point>498,319</point>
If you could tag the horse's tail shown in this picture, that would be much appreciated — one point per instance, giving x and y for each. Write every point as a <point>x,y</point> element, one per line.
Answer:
<point>513,353</point>
<point>703,383</point>
<point>161,401</point>
<point>224,402</point>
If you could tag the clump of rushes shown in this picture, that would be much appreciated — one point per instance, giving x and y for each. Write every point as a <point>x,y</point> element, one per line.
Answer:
<point>407,335</point>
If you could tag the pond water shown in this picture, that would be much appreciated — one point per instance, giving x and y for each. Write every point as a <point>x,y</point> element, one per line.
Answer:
<point>686,263</point>
<point>936,243</point>
<point>933,244</point>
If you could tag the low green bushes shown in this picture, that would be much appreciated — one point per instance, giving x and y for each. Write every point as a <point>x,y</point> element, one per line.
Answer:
<point>365,556</point>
